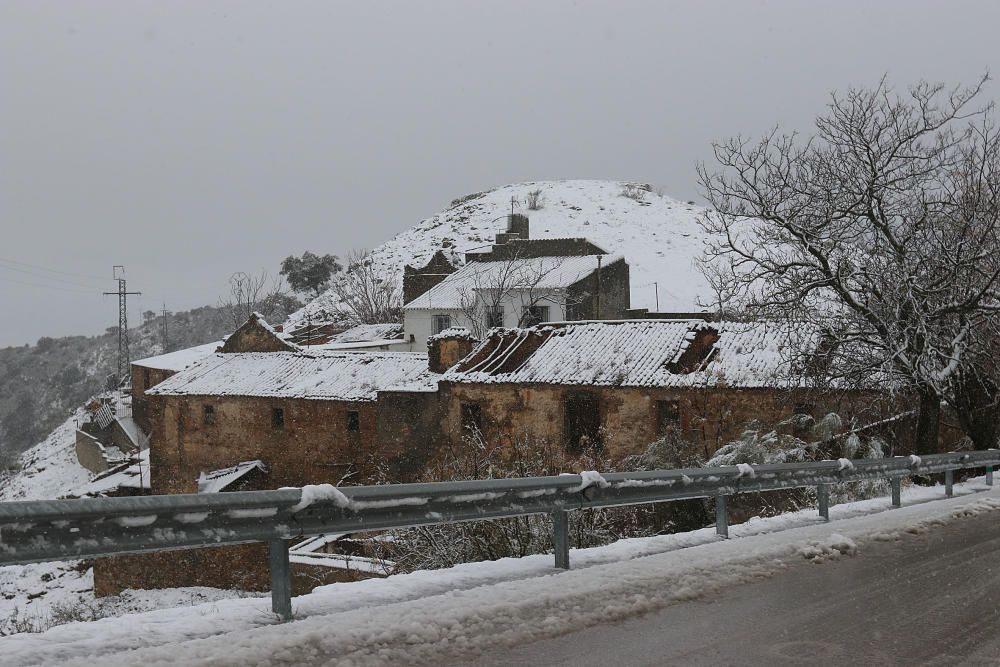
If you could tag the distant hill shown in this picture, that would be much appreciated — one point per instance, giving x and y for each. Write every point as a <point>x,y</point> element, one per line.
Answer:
<point>658,235</point>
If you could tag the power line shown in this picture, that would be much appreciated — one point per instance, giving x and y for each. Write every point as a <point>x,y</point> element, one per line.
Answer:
<point>41,276</point>
<point>43,268</point>
<point>77,289</point>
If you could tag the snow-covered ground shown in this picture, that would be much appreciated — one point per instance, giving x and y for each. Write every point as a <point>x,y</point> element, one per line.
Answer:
<point>659,236</point>
<point>425,617</point>
<point>36,595</point>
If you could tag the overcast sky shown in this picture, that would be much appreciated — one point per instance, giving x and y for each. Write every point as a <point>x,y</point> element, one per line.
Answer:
<point>189,140</point>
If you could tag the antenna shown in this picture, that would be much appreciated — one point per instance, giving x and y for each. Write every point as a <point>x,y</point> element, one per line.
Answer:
<point>124,360</point>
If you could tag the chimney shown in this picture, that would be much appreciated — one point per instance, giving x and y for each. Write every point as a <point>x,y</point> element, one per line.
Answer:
<point>448,348</point>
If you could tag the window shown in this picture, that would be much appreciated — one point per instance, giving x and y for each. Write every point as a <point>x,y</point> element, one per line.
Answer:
<point>472,418</point>
<point>668,417</point>
<point>535,315</point>
<point>145,379</point>
<point>440,323</point>
<point>353,421</point>
<point>582,412</point>
<point>494,317</point>
<point>277,418</point>
<point>208,415</point>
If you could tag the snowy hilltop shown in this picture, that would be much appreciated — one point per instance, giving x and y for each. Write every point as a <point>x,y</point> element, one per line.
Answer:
<point>658,235</point>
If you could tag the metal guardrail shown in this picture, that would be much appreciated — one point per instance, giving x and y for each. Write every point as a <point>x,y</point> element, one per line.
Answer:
<point>45,530</point>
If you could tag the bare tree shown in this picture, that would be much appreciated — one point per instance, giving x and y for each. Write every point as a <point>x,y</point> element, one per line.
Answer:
<point>880,230</point>
<point>516,280</point>
<point>367,296</point>
<point>250,293</point>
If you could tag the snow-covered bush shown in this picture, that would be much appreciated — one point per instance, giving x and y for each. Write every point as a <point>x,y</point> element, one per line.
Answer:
<point>826,440</point>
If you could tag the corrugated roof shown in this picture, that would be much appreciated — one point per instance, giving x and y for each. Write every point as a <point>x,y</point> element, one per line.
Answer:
<point>219,480</point>
<point>334,376</point>
<point>635,353</point>
<point>180,359</point>
<point>529,273</point>
<point>369,332</point>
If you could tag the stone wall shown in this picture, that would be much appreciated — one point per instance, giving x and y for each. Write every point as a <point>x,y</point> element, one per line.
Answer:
<point>90,452</point>
<point>238,567</point>
<point>629,417</point>
<point>613,286</point>
<point>417,281</point>
<point>144,378</point>
<point>315,444</point>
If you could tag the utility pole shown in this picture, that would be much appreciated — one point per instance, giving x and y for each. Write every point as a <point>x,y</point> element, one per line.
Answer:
<point>123,354</point>
<point>163,327</point>
<point>656,286</point>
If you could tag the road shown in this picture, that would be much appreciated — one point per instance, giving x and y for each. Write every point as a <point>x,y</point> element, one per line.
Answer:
<point>924,599</point>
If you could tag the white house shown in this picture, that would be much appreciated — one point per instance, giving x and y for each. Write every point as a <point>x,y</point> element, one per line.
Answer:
<point>520,291</point>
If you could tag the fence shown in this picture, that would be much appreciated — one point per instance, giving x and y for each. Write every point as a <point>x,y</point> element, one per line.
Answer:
<point>34,531</point>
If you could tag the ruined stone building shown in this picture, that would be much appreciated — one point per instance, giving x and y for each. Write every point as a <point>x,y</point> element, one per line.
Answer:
<point>309,415</point>
<point>624,384</point>
<point>518,281</point>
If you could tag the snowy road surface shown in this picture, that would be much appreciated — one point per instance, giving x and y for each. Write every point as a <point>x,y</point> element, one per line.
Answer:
<point>698,591</point>
<point>927,599</point>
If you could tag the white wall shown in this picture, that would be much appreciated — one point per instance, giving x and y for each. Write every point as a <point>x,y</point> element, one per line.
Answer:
<point>419,323</point>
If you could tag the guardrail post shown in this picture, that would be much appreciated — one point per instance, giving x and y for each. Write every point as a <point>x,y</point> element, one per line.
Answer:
<point>989,475</point>
<point>281,579</point>
<point>721,517</point>
<point>894,484</point>
<point>823,496</point>
<point>560,538</point>
<point>949,481</point>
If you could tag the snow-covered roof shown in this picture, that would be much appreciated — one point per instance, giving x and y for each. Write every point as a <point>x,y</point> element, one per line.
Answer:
<point>132,475</point>
<point>218,480</point>
<point>633,353</point>
<point>180,359</point>
<point>543,273</point>
<point>369,332</point>
<point>319,375</point>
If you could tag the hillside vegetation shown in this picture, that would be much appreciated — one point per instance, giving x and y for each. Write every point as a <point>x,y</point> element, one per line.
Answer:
<point>41,384</point>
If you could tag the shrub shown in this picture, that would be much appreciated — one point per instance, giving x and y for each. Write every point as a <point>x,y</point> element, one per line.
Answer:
<point>536,200</point>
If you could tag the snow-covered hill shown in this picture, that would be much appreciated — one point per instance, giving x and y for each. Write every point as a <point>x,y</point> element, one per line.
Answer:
<point>50,468</point>
<point>659,236</point>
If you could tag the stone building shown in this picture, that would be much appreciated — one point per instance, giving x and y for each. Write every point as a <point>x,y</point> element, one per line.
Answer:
<point>311,416</point>
<point>521,281</point>
<point>146,373</point>
<point>262,413</point>
<point>625,384</point>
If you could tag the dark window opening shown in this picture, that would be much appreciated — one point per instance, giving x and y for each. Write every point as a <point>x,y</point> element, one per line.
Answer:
<point>353,421</point>
<point>145,379</point>
<point>533,315</point>
<point>494,317</point>
<point>441,322</point>
<point>582,421</point>
<point>277,418</point>
<point>472,418</point>
<point>668,418</point>
<point>208,415</point>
